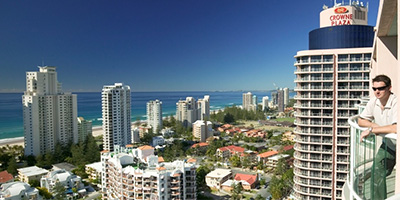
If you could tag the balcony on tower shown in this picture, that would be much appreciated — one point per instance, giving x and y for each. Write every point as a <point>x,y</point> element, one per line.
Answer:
<point>363,181</point>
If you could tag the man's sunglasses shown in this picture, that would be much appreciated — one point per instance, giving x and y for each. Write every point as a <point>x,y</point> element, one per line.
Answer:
<point>379,88</point>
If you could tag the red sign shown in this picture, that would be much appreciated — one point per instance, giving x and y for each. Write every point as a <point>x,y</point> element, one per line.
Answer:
<point>341,10</point>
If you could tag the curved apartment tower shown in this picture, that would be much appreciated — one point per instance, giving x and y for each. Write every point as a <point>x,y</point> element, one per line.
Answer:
<point>331,77</point>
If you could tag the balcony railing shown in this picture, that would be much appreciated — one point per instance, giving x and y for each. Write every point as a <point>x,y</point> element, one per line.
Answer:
<point>363,181</point>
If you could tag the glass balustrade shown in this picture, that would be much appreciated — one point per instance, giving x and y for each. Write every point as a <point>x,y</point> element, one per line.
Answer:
<point>363,181</point>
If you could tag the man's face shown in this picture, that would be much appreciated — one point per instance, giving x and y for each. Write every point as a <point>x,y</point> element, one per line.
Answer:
<point>381,90</point>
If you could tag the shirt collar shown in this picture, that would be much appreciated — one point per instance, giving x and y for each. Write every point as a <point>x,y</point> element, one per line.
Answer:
<point>389,103</point>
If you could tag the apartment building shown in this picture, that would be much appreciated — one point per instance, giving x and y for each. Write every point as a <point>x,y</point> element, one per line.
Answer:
<point>203,106</point>
<point>188,111</point>
<point>281,100</point>
<point>286,96</point>
<point>116,111</point>
<point>49,114</point>
<point>265,103</point>
<point>125,177</point>
<point>249,101</point>
<point>84,129</point>
<point>331,77</point>
<point>154,115</point>
<point>202,130</point>
<point>216,178</point>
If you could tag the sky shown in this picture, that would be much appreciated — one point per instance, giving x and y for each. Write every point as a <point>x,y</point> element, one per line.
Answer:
<point>158,45</point>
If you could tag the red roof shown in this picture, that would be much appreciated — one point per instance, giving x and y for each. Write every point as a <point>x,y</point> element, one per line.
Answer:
<point>232,148</point>
<point>267,154</point>
<point>201,144</point>
<point>246,177</point>
<point>287,148</point>
<point>145,147</point>
<point>5,177</point>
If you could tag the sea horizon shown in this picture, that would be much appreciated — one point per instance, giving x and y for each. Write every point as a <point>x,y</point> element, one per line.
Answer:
<point>89,106</point>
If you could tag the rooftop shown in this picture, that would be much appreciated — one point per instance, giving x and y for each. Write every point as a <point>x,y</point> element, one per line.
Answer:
<point>32,171</point>
<point>5,177</point>
<point>267,154</point>
<point>250,179</point>
<point>219,173</point>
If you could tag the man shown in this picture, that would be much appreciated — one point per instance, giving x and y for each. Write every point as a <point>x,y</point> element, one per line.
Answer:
<point>380,116</point>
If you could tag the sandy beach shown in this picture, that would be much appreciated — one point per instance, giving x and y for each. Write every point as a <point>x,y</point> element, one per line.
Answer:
<point>96,131</point>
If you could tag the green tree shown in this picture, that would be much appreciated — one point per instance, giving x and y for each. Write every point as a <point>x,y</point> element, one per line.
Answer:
<point>236,191</point>
<point>44,193</point>
<point>229,118</point>
<point>34,183</point>
<point>59,191</point>
<point>235,160</point>
<point>12,166</point>
<point>201,173</point>
<point>92,151</point>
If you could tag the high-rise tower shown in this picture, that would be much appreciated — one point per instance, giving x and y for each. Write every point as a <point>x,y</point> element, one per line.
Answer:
<point>331,77</point>
<point>50,115</point>
<point>116,107</point>
<point>188,111</point>
<point>154,115</point>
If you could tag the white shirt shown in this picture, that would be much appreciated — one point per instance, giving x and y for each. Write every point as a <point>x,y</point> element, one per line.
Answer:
<point>387,116</point>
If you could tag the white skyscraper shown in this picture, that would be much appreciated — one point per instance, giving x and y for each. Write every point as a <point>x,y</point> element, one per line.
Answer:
<point>331,78</point>
<point>248,101</point>
<point>203,106</point>
<point>188,111</point>
<point>154,115</point>
<point>286,96</point>
<point>116,106</point>
<point>50,115</point>
<point>265,102</point>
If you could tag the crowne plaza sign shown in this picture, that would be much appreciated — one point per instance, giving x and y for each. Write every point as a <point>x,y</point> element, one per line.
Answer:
<point>341,16</point>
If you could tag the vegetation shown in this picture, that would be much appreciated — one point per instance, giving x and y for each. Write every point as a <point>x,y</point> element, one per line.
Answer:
<point>237,191</point>
<point>44,193</point>
<point>232,114</point>
<point>201,173</point>
<point>59,191</point>
<point>282,181</point>
<point>174,151</point>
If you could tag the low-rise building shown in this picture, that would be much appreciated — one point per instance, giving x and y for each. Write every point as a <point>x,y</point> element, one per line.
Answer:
<point>144,151</point>
<point>201,147</point>
<point>31,173</point>
<point>93,170</point>
<point>273,160</point>
<point>158,141</point>
<point>18,190</point>
<point>248,181</point>
<point>263,157</point>
<point>64,165</point>
<point>216,178</point>
<point>66,178</point>
<point>228,151</point>
<point>6,177</point>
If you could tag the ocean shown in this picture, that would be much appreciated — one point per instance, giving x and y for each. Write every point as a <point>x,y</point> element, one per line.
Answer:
<point>89,106</point>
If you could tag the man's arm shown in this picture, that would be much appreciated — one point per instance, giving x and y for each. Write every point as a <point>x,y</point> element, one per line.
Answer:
<point>376,129</point>
<point>366,123</point>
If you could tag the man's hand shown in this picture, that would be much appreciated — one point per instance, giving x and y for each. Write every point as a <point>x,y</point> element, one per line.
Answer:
<point>364,134</point>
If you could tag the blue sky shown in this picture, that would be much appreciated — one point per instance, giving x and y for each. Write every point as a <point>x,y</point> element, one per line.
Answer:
<point>158,45</point>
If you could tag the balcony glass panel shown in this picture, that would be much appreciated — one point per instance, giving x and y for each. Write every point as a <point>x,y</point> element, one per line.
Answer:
<point>370,165</point>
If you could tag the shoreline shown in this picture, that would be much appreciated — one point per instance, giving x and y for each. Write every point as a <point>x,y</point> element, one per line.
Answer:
<point>96,131</point>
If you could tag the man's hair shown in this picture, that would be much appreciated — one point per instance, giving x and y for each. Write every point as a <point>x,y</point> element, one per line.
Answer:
<point>383,78</point>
